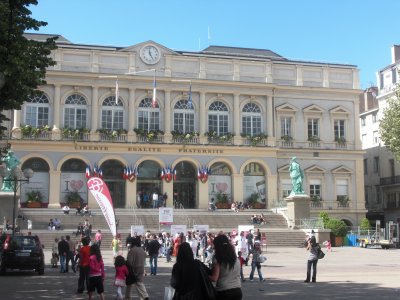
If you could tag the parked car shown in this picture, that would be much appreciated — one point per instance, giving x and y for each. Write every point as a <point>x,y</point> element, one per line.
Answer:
<point>22,252</point>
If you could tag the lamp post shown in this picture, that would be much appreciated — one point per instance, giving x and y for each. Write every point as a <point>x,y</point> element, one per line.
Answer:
<point>17,178</point>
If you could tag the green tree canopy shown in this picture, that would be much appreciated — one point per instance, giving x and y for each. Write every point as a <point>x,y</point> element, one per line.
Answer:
<point>390,125</point>
<point>23,62</point>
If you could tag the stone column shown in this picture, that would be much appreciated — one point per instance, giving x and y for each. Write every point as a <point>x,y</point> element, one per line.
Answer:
<point>167,116</point>
<point>54,189</point>
<point>57,104</point>
<point>168,187</point>
<point>17,119</point>
<point>203,194</point>
<point>236,118</point>
<point>272,190</point>
<point>237,188</point>
<point>130,194</point>
<point>298,208</point>
<point>203,117</point>
<point>131,110</point>
<point>270,117</point>
<point>95,109</point>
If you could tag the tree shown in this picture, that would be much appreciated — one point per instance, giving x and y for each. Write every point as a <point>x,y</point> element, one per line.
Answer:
<point>390,125</point>
<point>337,227</point>
<point>325,217</point>
<point>365,224</point>
<point>23,62</point>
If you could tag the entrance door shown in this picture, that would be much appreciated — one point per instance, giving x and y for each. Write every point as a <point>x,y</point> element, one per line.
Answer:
<point>185,186</point>
<point>112,170</point>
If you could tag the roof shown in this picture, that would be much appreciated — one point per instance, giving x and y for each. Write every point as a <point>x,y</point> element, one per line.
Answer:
<point>236,51</point>
<point>43,37</point>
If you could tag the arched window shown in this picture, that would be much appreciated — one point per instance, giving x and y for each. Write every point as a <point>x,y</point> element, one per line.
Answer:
<point>251,119</point>
<point>37,111</point>
<point>183,117</point>
<point>218,118</point>
<point>112,114</point>
<point>148,116</point>
<point>75,112</point>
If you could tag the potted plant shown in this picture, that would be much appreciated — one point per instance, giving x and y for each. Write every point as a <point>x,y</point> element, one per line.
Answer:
<point>254,139</point>
<point>74,133</point>
<point>338,231</point>
<point>343,200</point>
<point>73,200</point>
<point>34,199</point>
<point>286,138</point>
<point>252,201</point>
<point>313,138</point>
<point>30,131</point>
<point>340,140</point>
<point>222,200</point>
<point>150,135</point>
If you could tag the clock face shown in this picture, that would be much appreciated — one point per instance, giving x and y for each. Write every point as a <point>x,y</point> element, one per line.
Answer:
<point>150,54</point>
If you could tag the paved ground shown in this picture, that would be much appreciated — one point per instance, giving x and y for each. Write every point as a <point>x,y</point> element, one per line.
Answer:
<point>346,273</point>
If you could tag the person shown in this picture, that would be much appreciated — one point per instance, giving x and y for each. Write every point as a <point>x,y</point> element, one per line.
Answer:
<point>165,198</point>
<point>65,209</point>
<point>185,276</point>
<point>258,236</point>
<point>87,228</point>
<point>79,230</point>
<point>98,237</point>
<point>63,250</point>
<point>96,272</point>
<point>71,254</point>
<point>296,174</point>
<point>226,270</point>
<point>153,250</point>
<point>155,200</point>
<point>121,272</point>
<point>211,205</point>
<point>191,239</point>
<point>241,244</point>
<point>249,239</point>
<point>51,225</point>
<point>86,211</point>
<point>328,245</point>
<point>57,224</point>
<point>54,254</point>
<point>312,261</point>
<point>115,245</point>
<point>255,262</point>
<point>242,262</point>
<point>84,259</point>
<point>135,262</point>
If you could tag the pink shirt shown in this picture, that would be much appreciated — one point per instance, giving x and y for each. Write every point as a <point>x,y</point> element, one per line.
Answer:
<point>97,237</point>
<point>96,267</point>
<point>121,272</point>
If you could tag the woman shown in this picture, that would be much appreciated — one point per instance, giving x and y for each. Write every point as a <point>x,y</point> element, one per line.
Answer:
<point>96,272</point>
<point>226,270</point>
<point>184,279</point>
<point>312,247</point>
<point>255,262</point>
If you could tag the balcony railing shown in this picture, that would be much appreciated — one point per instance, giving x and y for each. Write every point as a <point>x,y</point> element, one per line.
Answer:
<point>330,205</point>
<point>122,138</point>
<point>390,180</point>
<point>44,135</point>
<point>191,141</point>
<point>219,141</point>
<point>315,145</point>
<point>144,139</point>
<point>78,137</point>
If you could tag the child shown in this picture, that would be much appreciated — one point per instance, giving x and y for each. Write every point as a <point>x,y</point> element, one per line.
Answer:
<point>328,245</point>
<point>242,261</point>
<point>121,271</point>
<point>96,272</point>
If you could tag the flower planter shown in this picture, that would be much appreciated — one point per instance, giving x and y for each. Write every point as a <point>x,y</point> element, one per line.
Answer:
<point>34,205</point>
<point>223,205</point>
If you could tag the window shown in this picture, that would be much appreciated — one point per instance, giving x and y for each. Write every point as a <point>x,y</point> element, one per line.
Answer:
<point>75,112</point>
<point>112,114</point>
<point>363,139</point>
<point>315,188</point>
<point>376,164</point>
<point>342,188</point>
<point>286,187</point>
<point>375,137</point>
<point>394,75</point>
<point>148,117</point>
<point>251,119</point>
<point>366,193</point>
<point>286,126</point>
<point>378,194</point>
<point>391,165</point>
<point>374,118</point>
<point>339,129</point>
<point>37,111</point>
<point>218,118</point>
<point>183,117</point>
<point>313,128</point>
<point>362,121</point>
<point>365,166</point>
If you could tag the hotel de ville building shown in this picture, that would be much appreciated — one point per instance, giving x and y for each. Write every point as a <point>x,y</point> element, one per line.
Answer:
<point>221,124</point>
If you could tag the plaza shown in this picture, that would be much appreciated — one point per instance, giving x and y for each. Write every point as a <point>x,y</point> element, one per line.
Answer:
<point>346,273</point>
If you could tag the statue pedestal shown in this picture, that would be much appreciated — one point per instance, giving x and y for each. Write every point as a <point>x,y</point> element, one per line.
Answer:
<point>298,207</point>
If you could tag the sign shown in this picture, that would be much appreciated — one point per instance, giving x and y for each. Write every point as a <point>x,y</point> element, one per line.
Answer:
<point>165,215</point>
<point>201,228</point>
<point>73,182</point>
<point>176,229</point>
<point>139,229</point>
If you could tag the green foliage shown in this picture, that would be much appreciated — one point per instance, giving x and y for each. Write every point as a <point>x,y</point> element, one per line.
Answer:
<point>365,224</point>
<point>23,62</point>
<point>337,227</point>
<point>255,139</point>
<point>325,218</point>
<point>34,196</point>
<point>221,198</point>
<point>390,125</point>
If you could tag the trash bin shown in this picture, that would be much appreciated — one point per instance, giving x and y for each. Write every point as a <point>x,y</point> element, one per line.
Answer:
<point>351,240</point>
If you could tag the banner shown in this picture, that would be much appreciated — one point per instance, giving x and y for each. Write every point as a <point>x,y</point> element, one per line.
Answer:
<point>165,215</point>
<point>100,192</point>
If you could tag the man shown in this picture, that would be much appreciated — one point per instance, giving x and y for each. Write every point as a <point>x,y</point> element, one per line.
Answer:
<point>57,224</point>
<point>155,200</point>
<point>63,250</point>
<point>71,254</point>
<point>153,249</point>
<point>135,262</point>
<point>249,238</point>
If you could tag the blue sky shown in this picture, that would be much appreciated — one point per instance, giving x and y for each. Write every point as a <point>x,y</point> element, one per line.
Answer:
<point>358,32</point>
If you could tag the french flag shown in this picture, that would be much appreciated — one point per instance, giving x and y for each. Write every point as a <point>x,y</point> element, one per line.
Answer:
<point>162,173</point>
<point>88,172</point>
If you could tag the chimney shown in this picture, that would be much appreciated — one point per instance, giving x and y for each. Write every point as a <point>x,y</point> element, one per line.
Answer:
<point>395,53</point>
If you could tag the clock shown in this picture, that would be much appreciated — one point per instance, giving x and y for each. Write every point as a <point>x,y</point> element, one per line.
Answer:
<point>150,54</point>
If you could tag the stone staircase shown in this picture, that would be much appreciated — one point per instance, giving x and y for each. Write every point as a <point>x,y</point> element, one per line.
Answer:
<point>275,229</point>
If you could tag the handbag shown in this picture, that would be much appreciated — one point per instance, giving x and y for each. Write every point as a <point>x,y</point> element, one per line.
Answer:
<point>131,278</point>
<point>321,254</point>
<point>261,259</point>
<point>206,285</point>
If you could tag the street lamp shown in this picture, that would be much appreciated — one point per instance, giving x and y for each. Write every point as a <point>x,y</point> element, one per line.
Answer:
<point>17,178</point>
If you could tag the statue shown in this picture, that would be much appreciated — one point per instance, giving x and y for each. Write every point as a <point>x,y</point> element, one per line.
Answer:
<point>296,174</point>
<point>11,163</point>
